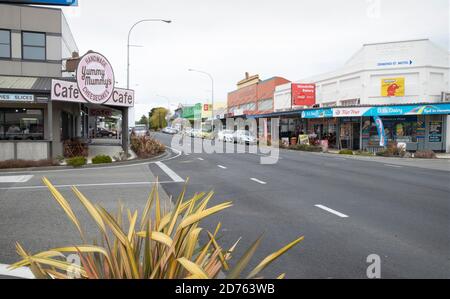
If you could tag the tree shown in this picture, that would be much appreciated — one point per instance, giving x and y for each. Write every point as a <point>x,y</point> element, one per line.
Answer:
<point>158,118</point>
<point>143,121</point>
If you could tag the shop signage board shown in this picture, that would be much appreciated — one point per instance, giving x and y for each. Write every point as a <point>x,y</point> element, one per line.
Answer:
<point>43,2</point>
<point>318,113</point>
<point>303,94</point>
<point>10,97</point>
<point>393,87</point>
<point>430,109</point>
<point>66,91</point>
<point>95,78</point>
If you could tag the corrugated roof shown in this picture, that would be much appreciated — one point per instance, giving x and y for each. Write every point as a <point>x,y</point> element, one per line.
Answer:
<point>27,84</point>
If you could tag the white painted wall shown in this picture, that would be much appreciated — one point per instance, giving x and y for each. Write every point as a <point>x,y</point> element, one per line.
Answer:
<point>283,97</point>
<point>426,77</point>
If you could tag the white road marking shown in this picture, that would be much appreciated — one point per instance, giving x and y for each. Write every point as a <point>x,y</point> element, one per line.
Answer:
<point>90,185</point>
<point>19,273</point>
<point>395,166</point>
<point>258,181</point>
<point>15,179</point>
<point>332,211</point>
<point>201,159</point>
<point>220,166</point>
<point>340,159</point>
<point>175,177</point>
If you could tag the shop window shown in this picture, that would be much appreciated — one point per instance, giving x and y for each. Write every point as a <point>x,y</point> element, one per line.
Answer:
<point>398,129</point>
<point>21,124</point>
<point>33,46</point>
<point>5,44</point>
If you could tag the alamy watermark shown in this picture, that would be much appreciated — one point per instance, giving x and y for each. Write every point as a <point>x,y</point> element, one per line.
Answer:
<point>373,9</point>
<point>254,137</point>
<point>374,269</point>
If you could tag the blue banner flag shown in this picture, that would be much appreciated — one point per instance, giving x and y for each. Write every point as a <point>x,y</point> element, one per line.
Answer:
<point>381,132</point>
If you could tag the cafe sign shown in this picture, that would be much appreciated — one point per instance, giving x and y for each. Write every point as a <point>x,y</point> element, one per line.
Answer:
<point>95,78</point>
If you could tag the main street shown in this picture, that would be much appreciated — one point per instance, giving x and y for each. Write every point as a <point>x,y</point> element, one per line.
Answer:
<point>347,208</point>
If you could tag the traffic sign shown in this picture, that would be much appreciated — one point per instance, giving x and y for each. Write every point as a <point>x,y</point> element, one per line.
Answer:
<point>43,2</point>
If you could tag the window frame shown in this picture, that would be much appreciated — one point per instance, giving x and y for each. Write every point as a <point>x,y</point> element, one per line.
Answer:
<point>29,46</point>
<point>10,43</point>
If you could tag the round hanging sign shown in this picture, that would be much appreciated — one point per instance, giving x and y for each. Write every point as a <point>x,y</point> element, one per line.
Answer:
<point>95,78</point>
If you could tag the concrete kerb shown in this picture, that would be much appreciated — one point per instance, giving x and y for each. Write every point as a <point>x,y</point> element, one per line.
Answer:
<point>165,156</point>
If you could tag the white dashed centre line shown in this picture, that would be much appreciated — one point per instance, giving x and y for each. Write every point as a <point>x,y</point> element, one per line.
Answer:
<point>331,211</point>
<point>395,166</point>
<point>15,179</point>
<point>258,181</point>
<point>220,166</point>
<point>201,159</point>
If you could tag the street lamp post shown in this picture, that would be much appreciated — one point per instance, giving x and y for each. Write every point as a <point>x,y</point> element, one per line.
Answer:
<point>212,93</point>
<point>128,44</point>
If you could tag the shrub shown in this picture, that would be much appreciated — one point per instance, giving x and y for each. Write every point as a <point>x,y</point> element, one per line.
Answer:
<point>306,148</point>
<point>426,154</point>
<point>393,151</point>
<point>161,245</point>
<point>146,147</point>
<point>102,159</point>
<point>346,152</point>
<point>27,164</point>
<point>75,148</point>
<point>363,153</point>
<point>77,161</point>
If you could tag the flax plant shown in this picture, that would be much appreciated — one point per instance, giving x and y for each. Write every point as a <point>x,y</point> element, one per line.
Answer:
<point>159,244</point>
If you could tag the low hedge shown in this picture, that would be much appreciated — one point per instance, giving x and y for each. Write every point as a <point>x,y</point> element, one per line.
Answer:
<point>102,159</point>
<point>425,155</point>
<point>346,152</point>
<point>306,148</point>
<point>77,161</point>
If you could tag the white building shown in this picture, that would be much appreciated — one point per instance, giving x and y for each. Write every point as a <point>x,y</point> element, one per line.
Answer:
<point>393,75</point>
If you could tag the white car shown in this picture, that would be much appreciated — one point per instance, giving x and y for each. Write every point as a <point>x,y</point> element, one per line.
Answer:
<point>169,130</point>
<point>245,137</point>
<point>225,136</point>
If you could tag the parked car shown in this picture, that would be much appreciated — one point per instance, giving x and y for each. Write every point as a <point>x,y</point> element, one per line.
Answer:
<point>225,136</point>
<point>245,137</point>
<point>140,131</point>
<point>170,130</point>
<point>101,133</point>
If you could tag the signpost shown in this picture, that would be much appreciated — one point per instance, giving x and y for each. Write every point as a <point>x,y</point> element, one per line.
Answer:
<point>43,2</point>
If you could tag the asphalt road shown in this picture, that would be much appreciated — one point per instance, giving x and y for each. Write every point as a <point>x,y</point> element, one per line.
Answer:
<point>399,211</point>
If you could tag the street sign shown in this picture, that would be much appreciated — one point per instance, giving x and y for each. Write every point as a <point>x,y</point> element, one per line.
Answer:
<point>43,2</point>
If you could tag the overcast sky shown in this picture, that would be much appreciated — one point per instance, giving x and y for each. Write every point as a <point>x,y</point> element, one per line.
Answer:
<point>288,38</point>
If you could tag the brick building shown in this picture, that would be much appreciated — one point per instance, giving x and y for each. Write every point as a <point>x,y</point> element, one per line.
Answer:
<point>254,96</point>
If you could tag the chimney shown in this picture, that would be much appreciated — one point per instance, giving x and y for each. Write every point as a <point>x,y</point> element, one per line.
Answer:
<point>247,75</point>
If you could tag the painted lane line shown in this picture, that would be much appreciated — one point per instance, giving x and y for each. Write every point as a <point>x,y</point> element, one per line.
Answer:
<point>90,185</point>
<point>395,166</point>
<point>15,179</point>
<point>223,167</point>
<point>175,177</point>
<point>331,211</point>
<point>258,181</point>
<point>19,273</point>
<point>201,159</point>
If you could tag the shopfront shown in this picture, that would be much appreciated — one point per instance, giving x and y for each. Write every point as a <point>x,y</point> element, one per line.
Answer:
<point>419,127</point>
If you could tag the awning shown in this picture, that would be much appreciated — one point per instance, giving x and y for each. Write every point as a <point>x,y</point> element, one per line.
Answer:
<point>25,84</point>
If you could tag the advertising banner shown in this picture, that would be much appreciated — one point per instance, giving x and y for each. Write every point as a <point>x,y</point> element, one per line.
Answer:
<point>9,97</point>
<point>381,132</point>
<point>350,112</point>
<point>393,87</point>
<point>303,94</point>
